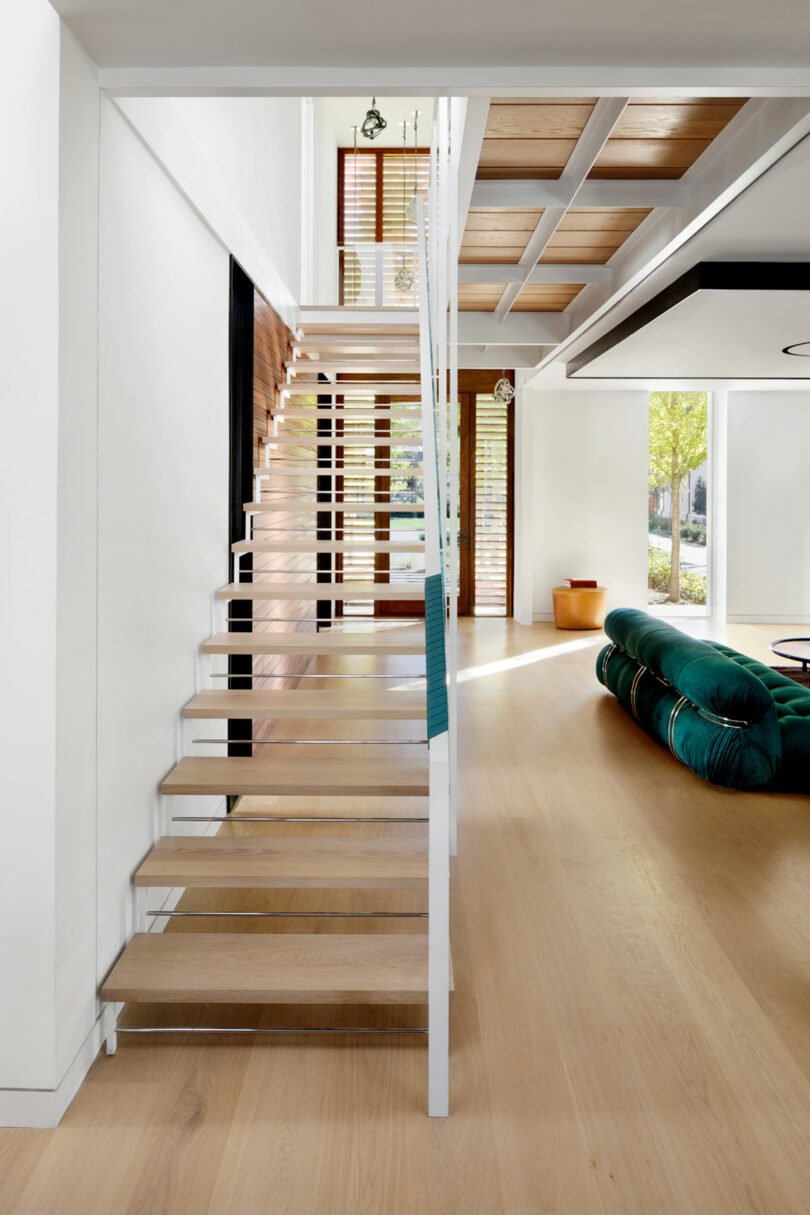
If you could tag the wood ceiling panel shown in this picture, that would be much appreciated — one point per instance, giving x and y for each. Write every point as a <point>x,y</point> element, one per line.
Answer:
<point>526,120</point>
<point>608,219</point>
<point>497,235</point>
<point>495,238</point>
<point>475,297</point>
<point>506,255</point>
<point>502,220</point>
<point>648,158</point>
<point>539,158</point>
<point>547,297</point>
<point>678,118</point>
<point>662,138</point>
<point>586,234</point>
<point>571,254</point>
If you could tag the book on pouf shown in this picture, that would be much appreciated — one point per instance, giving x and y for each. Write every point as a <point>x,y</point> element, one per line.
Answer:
<point>578,583</point>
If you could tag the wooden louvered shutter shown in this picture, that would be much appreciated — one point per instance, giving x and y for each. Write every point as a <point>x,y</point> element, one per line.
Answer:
<point>492,508</point>
<point>371,210</point>
<point>358,181</point>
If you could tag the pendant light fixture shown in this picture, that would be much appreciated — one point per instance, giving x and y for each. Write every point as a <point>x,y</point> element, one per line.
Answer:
<point>373,124</point>
<point>503,390</point>
<point>403,279</point>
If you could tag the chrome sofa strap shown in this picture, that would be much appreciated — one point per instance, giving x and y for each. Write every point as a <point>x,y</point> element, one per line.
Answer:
<point>729,723</point>
<point>673,717</point>
<point>608,655</point>
<point>634,688</point>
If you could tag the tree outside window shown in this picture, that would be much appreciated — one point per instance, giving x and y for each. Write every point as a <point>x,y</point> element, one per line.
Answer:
<point>678,446</point>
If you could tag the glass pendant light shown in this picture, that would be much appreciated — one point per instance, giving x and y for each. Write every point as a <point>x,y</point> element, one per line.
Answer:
<point>503,390</point>
<point>373,124</point>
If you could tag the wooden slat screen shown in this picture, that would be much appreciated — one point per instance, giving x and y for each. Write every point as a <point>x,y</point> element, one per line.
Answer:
<point>491,507</point>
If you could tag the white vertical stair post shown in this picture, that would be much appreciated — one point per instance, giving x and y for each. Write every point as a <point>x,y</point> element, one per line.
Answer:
<point>454,149</point>
<point>439,834</point>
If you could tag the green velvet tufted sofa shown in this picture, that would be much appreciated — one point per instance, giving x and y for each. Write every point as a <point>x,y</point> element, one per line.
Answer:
<point>731,719</point>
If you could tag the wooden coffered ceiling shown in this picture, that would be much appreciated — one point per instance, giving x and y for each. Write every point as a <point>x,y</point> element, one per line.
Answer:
<point>533,139</point>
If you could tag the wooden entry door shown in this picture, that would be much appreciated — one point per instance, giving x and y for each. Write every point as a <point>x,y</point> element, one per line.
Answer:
<point>486,512</point>
<point>486,499</point>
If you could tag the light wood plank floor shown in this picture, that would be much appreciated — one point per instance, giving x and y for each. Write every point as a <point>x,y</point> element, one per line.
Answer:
<point>630,1027</point>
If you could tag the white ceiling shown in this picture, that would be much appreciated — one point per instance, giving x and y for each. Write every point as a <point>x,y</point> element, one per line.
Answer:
<point>471,33</point>
<point>714,335</point>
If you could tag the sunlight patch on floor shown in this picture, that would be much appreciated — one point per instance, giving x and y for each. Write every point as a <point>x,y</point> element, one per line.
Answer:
<point>525,660</point>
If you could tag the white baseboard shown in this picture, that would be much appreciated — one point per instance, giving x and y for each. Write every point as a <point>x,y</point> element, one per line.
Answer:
<point>42,1108</point>
<point>768,619</point>
<point>542,617</point>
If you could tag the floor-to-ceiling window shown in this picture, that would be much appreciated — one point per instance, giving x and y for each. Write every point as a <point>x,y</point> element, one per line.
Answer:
<point>678,504</point>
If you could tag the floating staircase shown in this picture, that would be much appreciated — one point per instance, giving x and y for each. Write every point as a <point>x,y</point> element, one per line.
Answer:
<point>377,681</point>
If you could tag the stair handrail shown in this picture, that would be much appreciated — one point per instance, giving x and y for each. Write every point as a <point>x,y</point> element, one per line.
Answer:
<point>437,714</point>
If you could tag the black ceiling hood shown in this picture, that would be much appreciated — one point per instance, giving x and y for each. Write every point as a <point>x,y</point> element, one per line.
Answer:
<point>741,277</point>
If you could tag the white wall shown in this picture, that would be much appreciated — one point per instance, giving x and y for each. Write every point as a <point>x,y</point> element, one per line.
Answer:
<point>238,161</point>
<point>29,392</point>
<point>76,564</point>
<point>163,493</point>
<point>113,482</point>
<point>768,509</point>
<point>587,460</point>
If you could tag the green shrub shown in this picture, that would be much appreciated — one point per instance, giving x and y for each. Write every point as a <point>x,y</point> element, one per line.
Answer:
<point>658,570</point>
<point>693,586</point>
<point>660,524</point>
<point>694,532</point>
<point>693,583</point>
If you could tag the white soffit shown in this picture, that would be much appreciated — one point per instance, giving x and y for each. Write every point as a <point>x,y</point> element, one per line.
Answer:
<point>456,33</point>
<point>719,321</point>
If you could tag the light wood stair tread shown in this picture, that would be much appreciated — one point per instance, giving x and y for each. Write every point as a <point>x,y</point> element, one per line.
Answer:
<point>349,704</point>
<point>359,365</point>
<point>309,439</point>
<point>321,468</point>
<point>363,810</point>
<point>285,862</point>
<point>323,590</point>
<point>328,546</point>
<point>271,968</point>
<point>304,505</point>
<point>407,387</point>
<point>350,776</point>
<point>389,641</point>
<point>317,413</point>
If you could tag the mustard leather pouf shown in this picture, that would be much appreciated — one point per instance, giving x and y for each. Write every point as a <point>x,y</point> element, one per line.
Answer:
<point>579,607</point>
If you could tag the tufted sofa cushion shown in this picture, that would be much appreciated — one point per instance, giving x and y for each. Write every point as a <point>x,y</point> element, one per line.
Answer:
<point>716,715</point>
<point>792,703</point>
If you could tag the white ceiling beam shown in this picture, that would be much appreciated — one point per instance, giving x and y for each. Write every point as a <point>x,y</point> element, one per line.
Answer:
<point>556,272</point>
<point>762,132</point>
<point>595,134</point>
<point>519,192</point>
<point>496,357</point>
<point>688,79</point>
<point>521,329</point>
<point>475,122</point>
